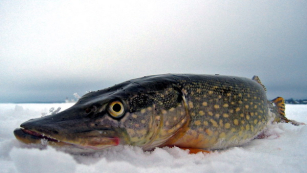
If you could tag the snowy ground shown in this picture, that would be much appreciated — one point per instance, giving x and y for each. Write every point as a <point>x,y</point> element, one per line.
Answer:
<point>284,151</point>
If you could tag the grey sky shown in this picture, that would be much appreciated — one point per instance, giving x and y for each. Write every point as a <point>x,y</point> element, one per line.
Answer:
<point>52,49</point>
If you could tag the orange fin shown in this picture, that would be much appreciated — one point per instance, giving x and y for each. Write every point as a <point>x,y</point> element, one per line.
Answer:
<point>195,150</point>
<point>257,79</point>
<point>280,104</point>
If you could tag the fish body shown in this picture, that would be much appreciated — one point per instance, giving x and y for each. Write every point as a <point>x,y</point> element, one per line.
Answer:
<point>189,111</point>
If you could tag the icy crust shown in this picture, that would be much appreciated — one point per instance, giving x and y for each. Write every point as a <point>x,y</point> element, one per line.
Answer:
<point>283,149</point>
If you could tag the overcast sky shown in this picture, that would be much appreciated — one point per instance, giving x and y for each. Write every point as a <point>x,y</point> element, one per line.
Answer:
<point>52,49</point>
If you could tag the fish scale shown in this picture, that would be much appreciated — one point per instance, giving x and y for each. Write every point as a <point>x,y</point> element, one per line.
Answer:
<point>189,111</point>
<point>223,112</point>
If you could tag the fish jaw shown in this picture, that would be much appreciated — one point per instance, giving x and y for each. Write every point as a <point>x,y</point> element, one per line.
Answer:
<point>93,143</point>
<point>32,137</point>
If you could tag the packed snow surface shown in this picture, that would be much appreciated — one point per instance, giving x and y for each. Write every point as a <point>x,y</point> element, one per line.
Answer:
<point>284,150</point>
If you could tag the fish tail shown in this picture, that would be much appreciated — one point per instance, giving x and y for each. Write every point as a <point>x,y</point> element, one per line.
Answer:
<point>280,104</point>
<point>281,117</point>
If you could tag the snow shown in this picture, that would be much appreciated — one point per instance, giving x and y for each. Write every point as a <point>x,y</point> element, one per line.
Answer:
<point>284,150</point>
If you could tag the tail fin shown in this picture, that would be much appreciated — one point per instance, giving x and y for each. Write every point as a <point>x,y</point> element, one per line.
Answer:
<point>280,105</point>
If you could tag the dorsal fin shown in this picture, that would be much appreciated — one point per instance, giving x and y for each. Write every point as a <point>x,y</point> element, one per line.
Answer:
<point>256,78</point>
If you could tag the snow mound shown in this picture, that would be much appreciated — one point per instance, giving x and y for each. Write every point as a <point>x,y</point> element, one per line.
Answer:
<point>47,161</point>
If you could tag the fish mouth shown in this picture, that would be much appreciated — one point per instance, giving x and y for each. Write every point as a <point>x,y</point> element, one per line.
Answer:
<point>28,136</point>
<point>90,143</point>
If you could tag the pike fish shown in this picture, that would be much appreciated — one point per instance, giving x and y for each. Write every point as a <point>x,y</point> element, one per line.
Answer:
<point>205,112</point>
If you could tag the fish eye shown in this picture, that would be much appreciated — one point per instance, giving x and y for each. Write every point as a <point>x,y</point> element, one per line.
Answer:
<point>116,109</point>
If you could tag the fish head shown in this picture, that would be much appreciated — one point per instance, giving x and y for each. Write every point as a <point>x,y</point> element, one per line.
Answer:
<point>81,126</point>
<point>130,113</point>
